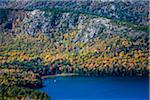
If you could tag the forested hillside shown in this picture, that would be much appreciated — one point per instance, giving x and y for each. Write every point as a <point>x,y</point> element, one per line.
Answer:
<point>46,38</point>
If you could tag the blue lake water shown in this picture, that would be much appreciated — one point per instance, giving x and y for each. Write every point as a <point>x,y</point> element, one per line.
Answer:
<point>93,88</point>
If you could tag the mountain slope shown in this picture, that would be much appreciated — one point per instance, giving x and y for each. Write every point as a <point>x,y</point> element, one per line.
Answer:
<point>73,41</point>
<point>135,11</point>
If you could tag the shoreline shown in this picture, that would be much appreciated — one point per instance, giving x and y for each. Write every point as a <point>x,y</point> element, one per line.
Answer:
<point>58,75</point>
<point>75,74</point>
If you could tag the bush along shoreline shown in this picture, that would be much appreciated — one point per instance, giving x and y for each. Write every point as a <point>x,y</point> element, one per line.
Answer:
<point>20,93</point>
<point>17,84</point>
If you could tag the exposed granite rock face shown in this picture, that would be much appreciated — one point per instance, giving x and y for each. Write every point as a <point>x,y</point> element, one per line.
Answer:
<point>45,22</point>
<point>49,23</point>
<point>135,11</point>
<point>33,22</point>
<point>59,17</point>
<point>103,28</point>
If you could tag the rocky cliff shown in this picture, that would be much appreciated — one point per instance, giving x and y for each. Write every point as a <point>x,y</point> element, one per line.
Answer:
<point>135,11</point>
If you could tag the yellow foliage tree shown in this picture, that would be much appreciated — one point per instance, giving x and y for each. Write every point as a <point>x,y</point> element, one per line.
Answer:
<point>121,54</point>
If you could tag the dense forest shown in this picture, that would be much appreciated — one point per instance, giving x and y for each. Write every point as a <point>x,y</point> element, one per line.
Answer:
<point>43,41</point>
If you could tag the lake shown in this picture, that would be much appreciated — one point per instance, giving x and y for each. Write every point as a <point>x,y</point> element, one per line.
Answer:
<point>96,88</point>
